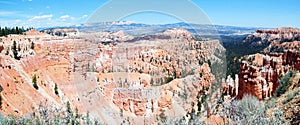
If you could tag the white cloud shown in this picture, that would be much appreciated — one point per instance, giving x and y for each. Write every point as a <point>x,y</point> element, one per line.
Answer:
<point>29,0</point>
<point>41,20</point>
<point>18,21</point>
<point>41,17</point>
<point>47,7</point>
<point>65,17</point>
<point>84,16</point>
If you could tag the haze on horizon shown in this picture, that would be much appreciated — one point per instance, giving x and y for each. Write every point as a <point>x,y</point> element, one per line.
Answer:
<point>254,13</point>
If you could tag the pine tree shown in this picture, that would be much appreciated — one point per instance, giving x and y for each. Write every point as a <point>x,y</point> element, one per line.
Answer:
<point>17,30</point>
<point>56,89</point>
<point>209,63</point>
<point>14,49</point>
<point>34,82</point>
<point>32,45</point>
<point>1,31</point>
<point>68,107</point>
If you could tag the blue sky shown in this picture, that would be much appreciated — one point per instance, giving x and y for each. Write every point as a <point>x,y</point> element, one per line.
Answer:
<point>251,13</point>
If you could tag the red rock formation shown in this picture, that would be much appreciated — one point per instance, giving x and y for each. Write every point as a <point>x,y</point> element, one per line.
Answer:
<point>262,80</point>
<point>284,30</point>
<point>259,73</point>
<point>103,79</point>
<point>1,48</point>
<point>292,58</point>
<point>279,35</point>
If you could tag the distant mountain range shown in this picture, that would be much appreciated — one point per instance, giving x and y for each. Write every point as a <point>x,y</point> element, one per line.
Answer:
<point>137,29</point>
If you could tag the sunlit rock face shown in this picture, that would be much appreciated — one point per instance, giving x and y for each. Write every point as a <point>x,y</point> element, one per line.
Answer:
<point>265,37</point>
<point>259,73</point>
<point>106,73</point>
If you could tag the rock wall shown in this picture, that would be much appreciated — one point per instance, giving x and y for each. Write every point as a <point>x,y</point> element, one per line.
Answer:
<point>259,74</point>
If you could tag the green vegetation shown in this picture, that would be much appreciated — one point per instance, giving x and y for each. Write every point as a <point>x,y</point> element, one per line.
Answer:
<point>48,115</point>
<point>163,116</point>
<point>14,50</point>
<point>235,49</point>
<point>34,82</point>
<point>55,89</point>
<point>200,74</point>
<point>250,110</point>
<point>169,79</point>
<point>289,97</point>
<point>32,45</point>
<point>209,63</point>
<point>200,102</point>
<point>152,82</point>
<point>285,82</point>
<point>291,94</point>
<point>15,30</point>
<point>68,107</point>
<point>199,105</point>
<point>90,68</point>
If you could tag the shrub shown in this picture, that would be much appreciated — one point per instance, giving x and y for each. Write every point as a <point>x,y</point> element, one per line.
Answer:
<point>14,50</point>
<point>32,45</point>
<point>34,82</point>
<point>68,107</point>
<point>289,97</point>
<point>48,115</point>
<point>200,74</point>
<point>169,79</point>
<point>55,89</point>
<point>285,82</point>
<point>250,110</point>
<point>209,63</point>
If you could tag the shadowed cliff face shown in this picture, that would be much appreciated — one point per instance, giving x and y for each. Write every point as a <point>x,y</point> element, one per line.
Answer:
<point>104,75</point>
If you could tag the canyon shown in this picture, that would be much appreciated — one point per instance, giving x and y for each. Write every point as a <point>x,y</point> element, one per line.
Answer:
<point>120,78</point>
<point>110,75</point>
